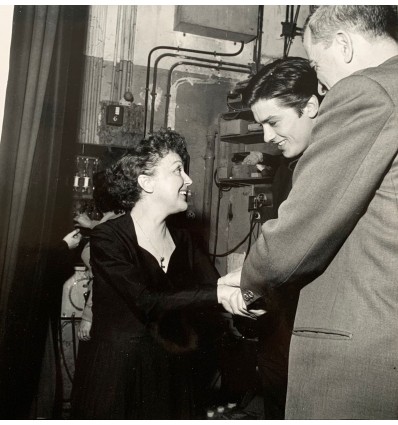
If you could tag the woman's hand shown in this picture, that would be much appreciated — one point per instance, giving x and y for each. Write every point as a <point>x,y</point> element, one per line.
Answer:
<point>84,330</point>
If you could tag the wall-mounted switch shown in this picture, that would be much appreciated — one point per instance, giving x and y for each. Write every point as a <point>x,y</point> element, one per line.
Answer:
<point>114,115</point>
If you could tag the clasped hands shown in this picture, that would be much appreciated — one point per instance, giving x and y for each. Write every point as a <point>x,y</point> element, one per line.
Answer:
<point>230,296</point>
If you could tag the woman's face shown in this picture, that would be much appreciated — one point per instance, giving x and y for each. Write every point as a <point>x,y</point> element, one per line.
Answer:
<point>171,183</point>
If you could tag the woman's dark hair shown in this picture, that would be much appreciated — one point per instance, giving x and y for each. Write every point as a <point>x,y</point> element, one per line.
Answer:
<point>122,177</point>
<point>292,81</point>
<point>103,200</point>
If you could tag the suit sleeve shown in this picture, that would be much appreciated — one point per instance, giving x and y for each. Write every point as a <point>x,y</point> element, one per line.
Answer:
<point>113,265</point>
<point>353,144</point>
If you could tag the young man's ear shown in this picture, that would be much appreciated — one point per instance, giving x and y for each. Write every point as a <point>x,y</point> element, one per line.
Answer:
<point>146,183</point>
<point>312,107</point>
<point>344,45</point>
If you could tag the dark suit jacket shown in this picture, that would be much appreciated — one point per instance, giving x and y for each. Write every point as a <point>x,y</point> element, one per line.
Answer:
<point>338,233</point>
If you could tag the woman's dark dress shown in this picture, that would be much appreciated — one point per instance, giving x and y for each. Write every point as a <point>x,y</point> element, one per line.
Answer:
<point>137,364</point>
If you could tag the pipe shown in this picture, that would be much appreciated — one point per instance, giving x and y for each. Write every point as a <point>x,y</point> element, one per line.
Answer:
<point>167,95</point>
<point>285,38</point>
<point>293,21</point>
<point>290,42</point>
<point>259,36</point>
<point>179,49</point>
<point>208,184</point>
<point>115,56</point>
<point>155,70</point>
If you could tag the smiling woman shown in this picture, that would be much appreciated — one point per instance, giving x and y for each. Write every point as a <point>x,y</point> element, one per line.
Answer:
<point>149,282</point>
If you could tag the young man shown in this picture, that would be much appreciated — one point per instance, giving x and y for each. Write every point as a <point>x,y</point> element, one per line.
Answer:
<point>283,97</point>
<point>337,233</point>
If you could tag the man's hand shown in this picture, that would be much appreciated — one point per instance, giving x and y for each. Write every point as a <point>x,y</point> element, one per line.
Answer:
<point>73,239</point>
<point>231,279</point>
<point>232,300</point>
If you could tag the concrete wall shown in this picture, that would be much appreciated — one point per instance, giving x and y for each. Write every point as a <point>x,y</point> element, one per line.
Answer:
<point>119,41</point>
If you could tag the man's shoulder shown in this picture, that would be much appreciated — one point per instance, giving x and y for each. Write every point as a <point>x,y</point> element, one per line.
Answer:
<point>384,75</point>
<point>377,82</point>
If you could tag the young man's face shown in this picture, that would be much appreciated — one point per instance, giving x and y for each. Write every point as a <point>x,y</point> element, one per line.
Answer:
<point>283,126</point>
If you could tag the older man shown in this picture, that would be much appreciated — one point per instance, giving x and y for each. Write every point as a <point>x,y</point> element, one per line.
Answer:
<point>337,233</point>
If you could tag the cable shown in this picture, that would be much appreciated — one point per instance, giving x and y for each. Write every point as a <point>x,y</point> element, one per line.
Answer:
<point>220,191</point>
<point>60,327</point>
<point>252,226</point>
<point>74,347</point>
<point>258,230</point>
<point>235,247</point>
<point>217,219</point>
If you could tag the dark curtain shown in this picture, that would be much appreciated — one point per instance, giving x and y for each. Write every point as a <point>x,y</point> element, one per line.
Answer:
<point>36,163</point>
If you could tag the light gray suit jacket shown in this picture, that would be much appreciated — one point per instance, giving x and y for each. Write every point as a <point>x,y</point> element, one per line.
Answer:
<point>337,234</point>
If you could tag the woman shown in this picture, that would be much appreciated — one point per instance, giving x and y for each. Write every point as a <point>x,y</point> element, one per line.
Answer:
<point>147,278</point>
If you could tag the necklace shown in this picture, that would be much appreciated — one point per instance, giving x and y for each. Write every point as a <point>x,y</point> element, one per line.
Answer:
<point>161,257</point>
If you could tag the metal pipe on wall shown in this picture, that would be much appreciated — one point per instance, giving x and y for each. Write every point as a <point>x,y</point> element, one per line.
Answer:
<point>126,53</point>
<point>205,60</point>
<point>100,64</point>
<point>180,49</point>
<point>259,36</point>
<point>115,58</point>
<point>122,64</point>
<point>167,95</point>
<point>132,47</point>
<point>208,184</point>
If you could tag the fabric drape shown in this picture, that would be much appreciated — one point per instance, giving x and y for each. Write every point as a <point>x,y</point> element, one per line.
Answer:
<point>38,118</point>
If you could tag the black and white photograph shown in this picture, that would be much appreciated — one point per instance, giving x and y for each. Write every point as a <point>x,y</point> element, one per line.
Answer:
<point>198,212</point>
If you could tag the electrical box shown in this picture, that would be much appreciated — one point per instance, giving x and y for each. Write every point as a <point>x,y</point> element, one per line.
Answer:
<point>234,23</point>
<point>114,115</point>
<point>261,203</point>
<point>229,127</point>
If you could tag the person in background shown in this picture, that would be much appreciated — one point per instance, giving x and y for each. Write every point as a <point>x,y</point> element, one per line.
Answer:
<point>62,257</point>
<point>148,278</point>
<point>72,239</point>
<point>108,208</point>
<point>285,90</point>
<point>336,234</point>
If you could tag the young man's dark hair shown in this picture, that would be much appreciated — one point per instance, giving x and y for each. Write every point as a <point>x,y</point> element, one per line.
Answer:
<point>292,81</point>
